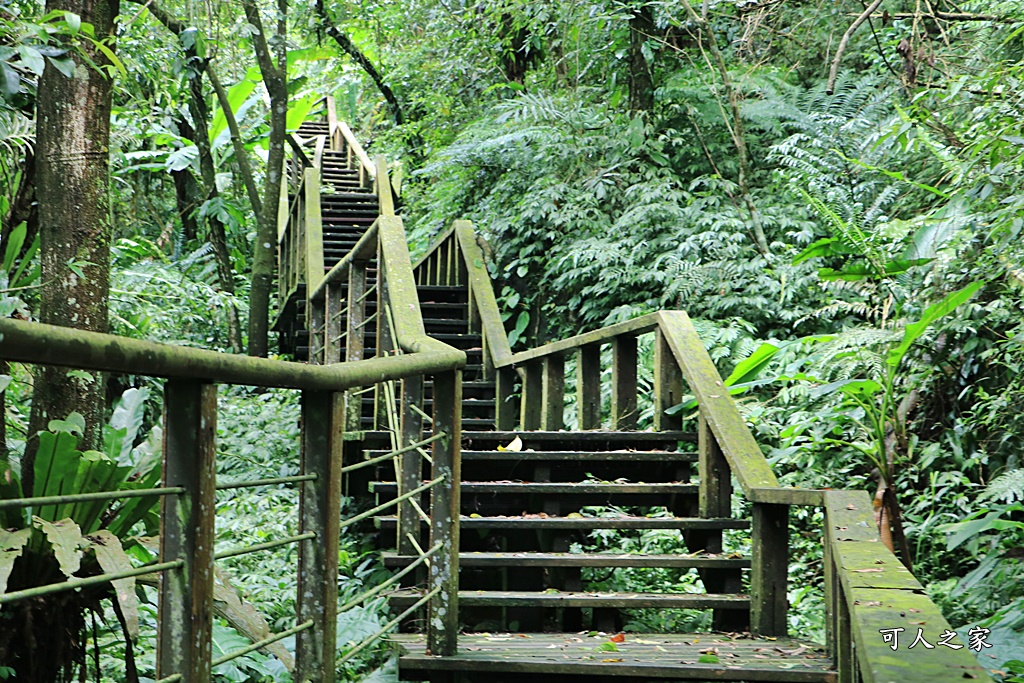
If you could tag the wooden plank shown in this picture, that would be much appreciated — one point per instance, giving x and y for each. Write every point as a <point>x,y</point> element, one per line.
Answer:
<point>586,456</point>
<point>553,393</point>
<point>784,495</point>
<point>642,656</point>
<point>588,386</point>
<point>319,512</point>
<point>531,559</point>
<point>445,503</point>
<point>550,488</point>
<point>533,387</point>
<point>769,604</point>
<point>553,598</point>
<point>634,327</point>
<point>588,523</point>
<point>748,464</point>
<point>668,385</point>
<point>590,437</point>
<point>185,626</point>
<point>624,398</point>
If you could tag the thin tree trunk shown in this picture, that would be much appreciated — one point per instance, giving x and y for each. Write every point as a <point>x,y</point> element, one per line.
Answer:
<point>72,175</point>
<point>264,252</point>
<point>200,114</point>
<point>736,129</point>
<point>241,157</point>
<point>353,51</point>
<point>218,235</point>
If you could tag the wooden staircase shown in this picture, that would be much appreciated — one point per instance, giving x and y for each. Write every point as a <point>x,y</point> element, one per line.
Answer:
<point>500,540</point>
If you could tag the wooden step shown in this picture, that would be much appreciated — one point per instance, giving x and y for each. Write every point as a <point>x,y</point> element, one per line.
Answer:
<point>555,598</point>
<point>624,456</point>
<point>531,559</point>
<point>596,439</point>
<point>556,488</point>
<point>640,658</point>
<point>535,522</point>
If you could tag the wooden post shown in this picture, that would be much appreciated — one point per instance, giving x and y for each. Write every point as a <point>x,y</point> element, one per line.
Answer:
<point>319,512</point>
<point>533,386</point>
<point>317,329</point>
<point>385,347</point>
<point>553,393</point>
<point>506,413</point>
<point>410,466</point>
<point>668,385</point>
<point>845,657</point>
<point>624,411</point>
<point>770,569</point>
<point>335,300</point>
<point>715,476</point>
<point>185,627</point>
<point>588,386</point>
<point>445,504</point>
<point>354,338</point>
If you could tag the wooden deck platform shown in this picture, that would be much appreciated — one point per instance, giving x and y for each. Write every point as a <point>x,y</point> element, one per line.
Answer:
<point>496,657</point>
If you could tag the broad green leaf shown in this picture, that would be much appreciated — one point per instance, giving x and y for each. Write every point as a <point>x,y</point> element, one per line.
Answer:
<point>237,95</point>
<point>748,368</point>
<point>73,21</point>
<point>112,559</point>
<point>16,279</point>
<point>66,539</point>
<point>180,159</point>
<point>111,57</point>
<point>32,59</point>
<point>10,81</point>
<point>65,65</point>
<point>11,545</point>
<point>134,510</point>
<point>828,246</point>
<point>75,424</point>
<point>847,386</point>
<point>853,272</point>
<point>914,331</point>
<point>128,415</point>
<point>14,243</point>
<point>297,111</point>
<point>96,472</point>
<point>55,468</point>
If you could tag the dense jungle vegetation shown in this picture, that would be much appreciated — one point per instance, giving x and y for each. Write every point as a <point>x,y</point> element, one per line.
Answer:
<point>814,182</point>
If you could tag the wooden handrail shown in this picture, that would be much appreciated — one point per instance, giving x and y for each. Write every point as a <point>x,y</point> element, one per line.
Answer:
<point>868,589</point>
<point>491,326</point>
<point>357,149</point>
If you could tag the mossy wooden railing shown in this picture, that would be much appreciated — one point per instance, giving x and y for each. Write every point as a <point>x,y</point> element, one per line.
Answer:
<point>727,449</point>
<point>187,533</point>
<point>867,588</point>
<point>336,315</point>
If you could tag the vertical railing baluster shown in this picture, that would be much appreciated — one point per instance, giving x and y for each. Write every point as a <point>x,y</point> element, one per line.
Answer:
<point>354,337</point>
<point>320,513</point>
<point>553,393</point>
<point>533,387</point>
<point>410,465</point>
<point>335,301</point>
<point>588,386</point>
<point>185,626</point>
<point>385,347</point>
<point>715,501</point>
<point>624,411</point>
<point>445,503</point>
<point>506,410</point>
<point>315,310</point>
<point>668,385</point>
<point>769,569</point>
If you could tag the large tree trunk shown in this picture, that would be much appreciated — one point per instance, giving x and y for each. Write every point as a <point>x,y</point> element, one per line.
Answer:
<point>72,164</point>
<point>272,66</point>
<point>641,84</point>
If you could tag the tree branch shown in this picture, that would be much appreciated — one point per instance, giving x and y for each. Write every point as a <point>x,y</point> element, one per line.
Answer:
<point>834,71</point>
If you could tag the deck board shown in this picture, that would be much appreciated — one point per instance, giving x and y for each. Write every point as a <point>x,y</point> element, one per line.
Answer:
<point>640,656</point>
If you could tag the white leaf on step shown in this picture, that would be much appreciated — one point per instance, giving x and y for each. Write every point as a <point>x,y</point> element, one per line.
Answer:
<point>516,445</point>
